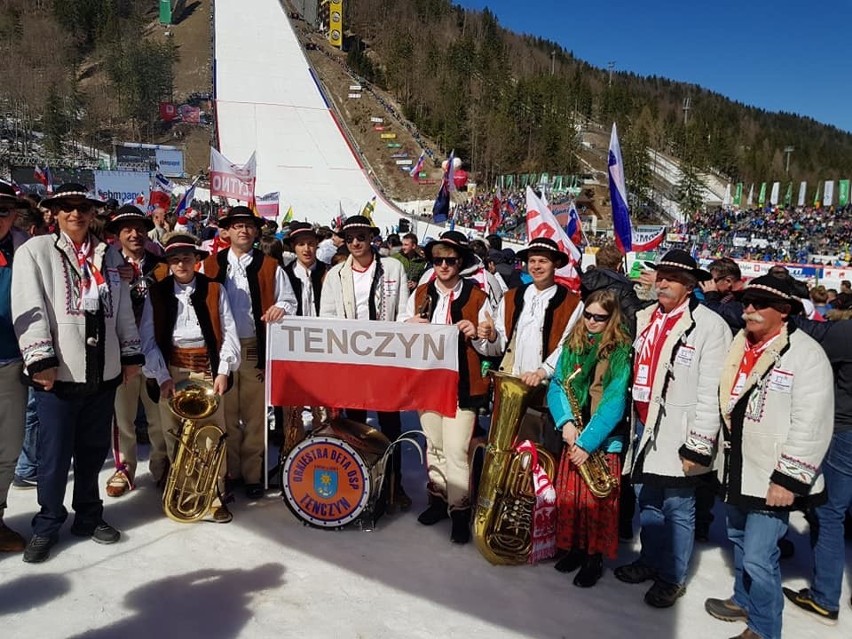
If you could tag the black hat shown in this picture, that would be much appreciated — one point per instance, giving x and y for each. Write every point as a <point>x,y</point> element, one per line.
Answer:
<point>128,213</point>
<point>775,290</point>
<point>680,260</point>
<point>68,191</point>
<point>240,214</point>
<point>8,195</point>
<point>111,203</point>
<point>300,229</point>
<point>456,241</point>
<point>544,244</point>
<point>357,223</point>
<point>181,242</point>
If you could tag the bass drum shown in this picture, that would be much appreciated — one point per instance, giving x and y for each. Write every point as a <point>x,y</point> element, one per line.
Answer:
<point>336,475</point>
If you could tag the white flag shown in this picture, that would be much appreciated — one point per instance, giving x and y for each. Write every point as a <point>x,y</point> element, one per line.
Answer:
<point>803,188</point>
<point>232,180</point>
<point>828,193</point>
<point>775,194</point>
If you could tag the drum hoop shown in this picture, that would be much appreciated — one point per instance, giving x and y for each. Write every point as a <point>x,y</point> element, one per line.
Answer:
<point>365,474</point>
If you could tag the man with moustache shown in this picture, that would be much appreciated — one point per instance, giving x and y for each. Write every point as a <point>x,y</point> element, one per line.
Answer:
<point>680,348</point>
<point>777,398</point>
<point>130,227</point>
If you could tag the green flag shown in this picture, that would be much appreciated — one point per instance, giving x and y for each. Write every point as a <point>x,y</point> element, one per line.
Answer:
<point>817,199</point>
<point>761,199</point>
<point>738,198</point>
<point>843,194</point>
<point>788,198</point>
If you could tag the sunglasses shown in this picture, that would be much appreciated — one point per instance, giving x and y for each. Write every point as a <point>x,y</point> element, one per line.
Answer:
<point>68,207</point>
<point>756,304</point>
<point>597,317</point>
<point>360,237</point>
<point>449,261</point>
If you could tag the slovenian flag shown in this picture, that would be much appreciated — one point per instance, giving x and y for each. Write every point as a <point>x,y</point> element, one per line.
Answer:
<point>618,196</point>
<point>415,172</point>
<point>162,183</point>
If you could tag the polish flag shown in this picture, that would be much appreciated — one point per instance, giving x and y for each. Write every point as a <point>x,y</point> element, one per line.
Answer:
<point>542,223</point>
<point>384,366</point>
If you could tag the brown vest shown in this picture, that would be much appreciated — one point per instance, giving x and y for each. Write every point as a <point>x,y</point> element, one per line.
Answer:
<point>473,387</point>
<point>559,310</point>
<point>261,278</point>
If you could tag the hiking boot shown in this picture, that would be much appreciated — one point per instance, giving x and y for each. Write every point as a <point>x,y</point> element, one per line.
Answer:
<point>725,610</point>
<point>38,549</point>
<point>23,483</point>
<point>634,573</point>
<point>804,600</point>
<point>437,511</point>
<point>118,484</point>
<point>571,561</point>
<point>103,533</point>
<point>255,491</point>
<point>590,572</point>
<point>10,541</point>
<point>663,594</point>
<point>460,534</point>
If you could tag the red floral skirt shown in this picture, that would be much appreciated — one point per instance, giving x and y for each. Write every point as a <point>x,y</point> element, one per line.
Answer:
<point>583,521</point>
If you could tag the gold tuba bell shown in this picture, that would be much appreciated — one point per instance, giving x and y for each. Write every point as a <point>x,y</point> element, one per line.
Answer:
<point>192,482</point>
<point>595,471</point>
<point>502,521</point>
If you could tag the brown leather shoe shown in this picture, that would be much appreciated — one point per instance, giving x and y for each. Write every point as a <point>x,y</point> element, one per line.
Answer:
<point>10,541</point>
<point>221,515</point>
<point>118,484</point>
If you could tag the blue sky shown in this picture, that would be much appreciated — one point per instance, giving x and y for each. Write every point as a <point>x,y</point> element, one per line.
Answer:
<point>780,56</point>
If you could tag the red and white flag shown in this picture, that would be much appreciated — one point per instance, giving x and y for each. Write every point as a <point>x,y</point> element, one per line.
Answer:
<point>542,223</point>
<point>232,180</point>
<point>267,206</point>
<point>384,366</point>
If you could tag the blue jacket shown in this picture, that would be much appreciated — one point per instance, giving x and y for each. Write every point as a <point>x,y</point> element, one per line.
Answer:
<point>598,433</point>
<point>9,349</point>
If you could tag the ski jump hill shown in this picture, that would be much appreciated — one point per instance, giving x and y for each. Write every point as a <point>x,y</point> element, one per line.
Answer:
<point>269,100</point>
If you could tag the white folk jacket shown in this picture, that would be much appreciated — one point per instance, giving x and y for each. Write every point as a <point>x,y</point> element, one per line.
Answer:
<point>389,291</point>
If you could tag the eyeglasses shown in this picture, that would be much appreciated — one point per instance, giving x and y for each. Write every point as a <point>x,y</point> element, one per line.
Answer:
<point>597,317</point>
<point>360,237</point>
<point>449,261</point>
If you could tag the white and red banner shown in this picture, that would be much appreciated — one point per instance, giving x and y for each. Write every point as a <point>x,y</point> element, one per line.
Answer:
<point>649,240</point>
<point>267,206</point>
<point>232,180</point>
<point>542,223</point>
<point>384,366</point>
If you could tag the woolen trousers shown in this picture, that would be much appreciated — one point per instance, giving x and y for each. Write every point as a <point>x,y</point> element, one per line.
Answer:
<point>245,417</point>
<point>13,406</point>
<point>127,398</point>
<point>447,455</point>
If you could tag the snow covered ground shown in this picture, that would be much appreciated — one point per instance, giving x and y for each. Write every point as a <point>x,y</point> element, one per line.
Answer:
<point>266,575</point>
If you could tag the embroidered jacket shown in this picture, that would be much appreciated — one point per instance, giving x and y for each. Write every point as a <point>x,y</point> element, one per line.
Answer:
<point>388,292</point>
<point>779,427</point>
<point>87,348</point>
<point>683,415</point>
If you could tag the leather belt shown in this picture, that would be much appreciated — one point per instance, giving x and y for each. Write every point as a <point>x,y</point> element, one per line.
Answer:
<point>193,359</point>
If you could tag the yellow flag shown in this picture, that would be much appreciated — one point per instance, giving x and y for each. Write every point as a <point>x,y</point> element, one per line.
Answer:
<point>369,207</point>
<point>289,216</point>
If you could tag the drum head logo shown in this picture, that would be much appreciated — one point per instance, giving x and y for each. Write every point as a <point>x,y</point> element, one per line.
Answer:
<point>326,483</point>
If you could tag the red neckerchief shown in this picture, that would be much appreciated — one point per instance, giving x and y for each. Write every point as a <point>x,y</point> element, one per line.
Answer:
<point>751,354</point>
<point>91,278</point>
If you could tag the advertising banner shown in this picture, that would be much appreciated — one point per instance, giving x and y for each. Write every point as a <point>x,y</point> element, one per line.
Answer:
<point>828,193</point>
<point>388,136</point>
<point>124,186</point>
<point>398,366</point>
<point>131,156</point>
<point>843,193</point>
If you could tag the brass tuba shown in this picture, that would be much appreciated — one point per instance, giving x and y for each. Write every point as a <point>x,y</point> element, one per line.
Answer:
<point>191,486</point>
<point>595,471</point>
<point>502,521</point>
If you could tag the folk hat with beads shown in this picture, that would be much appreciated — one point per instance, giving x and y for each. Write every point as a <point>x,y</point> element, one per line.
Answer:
<point>240,214</point>
<point>456,241</point>
<point>772,290</point>
<point>182,242</point>
<point>356,223</point>
<point>9,197</point>
<point>544,245</point>
<point>680,260</point>
<point>299,230</point>
<point>128,214</point>
<point>71,191</point>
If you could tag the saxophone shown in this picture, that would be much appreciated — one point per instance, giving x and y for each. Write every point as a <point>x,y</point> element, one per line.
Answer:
<point>595,471</point>
<point>502,520</point>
